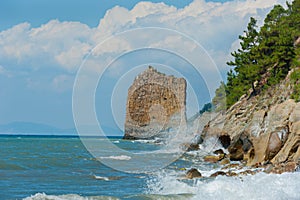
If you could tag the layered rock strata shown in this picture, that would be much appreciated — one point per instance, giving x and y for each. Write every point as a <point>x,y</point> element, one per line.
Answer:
<point>156,102</point>
<point>264,129</point>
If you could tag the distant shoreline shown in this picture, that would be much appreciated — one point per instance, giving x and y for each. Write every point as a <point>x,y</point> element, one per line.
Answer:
<point>53,136</point>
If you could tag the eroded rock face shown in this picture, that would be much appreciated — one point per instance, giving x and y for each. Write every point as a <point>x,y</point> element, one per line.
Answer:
<point>156,102</point>
<point>263,128</point>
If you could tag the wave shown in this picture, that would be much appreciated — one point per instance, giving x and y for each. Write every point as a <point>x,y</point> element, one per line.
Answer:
<point>43,196</point>
<point>104,178</point>
<point>101,178</point>
<point>121,157</point>
<point>258,186</point>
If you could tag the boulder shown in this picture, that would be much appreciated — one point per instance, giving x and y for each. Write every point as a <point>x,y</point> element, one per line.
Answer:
<point>233,166</point>
<point>247,172</point>
<point>284,167</point>
<point>193,173</point>
<point>213,159</point>
<point>218,152</point>
<point>236,151</point>
<point>193,147</point>
<point>231,173</point>
<point>224,161</point>
<point>239,147</point>
<point>218,173</point>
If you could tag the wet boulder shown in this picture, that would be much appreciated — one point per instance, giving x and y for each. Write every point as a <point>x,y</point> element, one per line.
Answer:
<point>193,173</point>
<point>213,159</point>
<point>218,173</point>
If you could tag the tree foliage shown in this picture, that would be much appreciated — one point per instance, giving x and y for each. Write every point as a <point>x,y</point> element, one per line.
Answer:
<point>265,55</point>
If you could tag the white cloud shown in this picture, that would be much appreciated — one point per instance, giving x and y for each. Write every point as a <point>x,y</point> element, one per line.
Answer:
<point>34,48</point>
<point>65,44</point>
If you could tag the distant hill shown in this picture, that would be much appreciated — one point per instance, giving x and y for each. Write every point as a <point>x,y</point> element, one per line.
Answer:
<point>33,128</point>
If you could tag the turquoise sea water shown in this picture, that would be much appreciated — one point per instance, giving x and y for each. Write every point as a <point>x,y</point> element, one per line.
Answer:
<point>35,167</point>
<point>59,165</point>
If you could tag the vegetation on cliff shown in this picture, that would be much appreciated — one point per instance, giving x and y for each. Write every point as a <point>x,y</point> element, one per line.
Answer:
<point>265,57</point>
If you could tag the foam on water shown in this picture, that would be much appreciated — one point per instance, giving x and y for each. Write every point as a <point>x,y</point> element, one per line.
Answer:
<point>259,186</point>
<point>43,196</point>
<point>121,157</point>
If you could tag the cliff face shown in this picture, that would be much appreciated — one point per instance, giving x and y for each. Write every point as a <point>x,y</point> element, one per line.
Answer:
<point>264,128</point>
<point>155,103</point>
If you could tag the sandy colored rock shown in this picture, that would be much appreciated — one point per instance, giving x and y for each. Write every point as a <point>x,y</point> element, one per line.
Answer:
<point>231,173</point>
<point>262,128</point>
<point>156,102</point>
<point>284,167</point>
<point>247,172</point>
<point>224,161</point>
<point>218,173</point>
<point>289,150</point>
<point>213,159</point>
<point>233,166</point>
<point>193,173</point>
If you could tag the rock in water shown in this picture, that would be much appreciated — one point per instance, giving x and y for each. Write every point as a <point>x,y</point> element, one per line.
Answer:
<point>193,173</point>
<point>224,161</point>
<point>155,103</point>
<point>218,152</point>
<point>263,128</point>
<point>218,173</point>
<point>214,159</point>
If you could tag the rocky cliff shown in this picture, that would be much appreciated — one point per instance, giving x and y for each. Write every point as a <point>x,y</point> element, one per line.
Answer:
<point>263,129</point>
<point>155,103</point>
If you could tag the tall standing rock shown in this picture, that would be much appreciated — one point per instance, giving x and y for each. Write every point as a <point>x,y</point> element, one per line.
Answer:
<point>155,103</point>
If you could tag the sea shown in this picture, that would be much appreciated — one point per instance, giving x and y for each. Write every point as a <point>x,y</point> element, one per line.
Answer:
<point>63,167</point>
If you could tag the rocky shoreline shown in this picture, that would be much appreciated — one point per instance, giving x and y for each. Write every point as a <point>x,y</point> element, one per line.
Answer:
<point>261,132</point>
<point>240,168</point>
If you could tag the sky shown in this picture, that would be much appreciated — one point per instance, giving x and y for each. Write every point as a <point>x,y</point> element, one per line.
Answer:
<point>43,45</point>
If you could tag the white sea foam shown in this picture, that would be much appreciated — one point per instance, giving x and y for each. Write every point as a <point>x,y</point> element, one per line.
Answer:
<point>145,141</point>
<point>43,196</point>
<point>121,157</point>
<point>116,142</point>
<point>101,178</point>
<point>259,186</point>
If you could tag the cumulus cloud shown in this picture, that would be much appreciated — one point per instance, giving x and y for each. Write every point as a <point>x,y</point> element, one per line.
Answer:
<point>24,46</point>
<point>64,45</point>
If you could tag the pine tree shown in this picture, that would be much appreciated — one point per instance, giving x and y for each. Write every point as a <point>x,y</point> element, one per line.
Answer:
<point>276,45</point>
<point>246,71</point>
<point>265,56</point>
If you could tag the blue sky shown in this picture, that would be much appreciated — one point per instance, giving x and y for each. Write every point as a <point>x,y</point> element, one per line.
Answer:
<point>43,43</point>
<point>38,12</point>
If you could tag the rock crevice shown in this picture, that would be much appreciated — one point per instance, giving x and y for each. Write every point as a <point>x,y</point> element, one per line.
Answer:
<point>264,128</point>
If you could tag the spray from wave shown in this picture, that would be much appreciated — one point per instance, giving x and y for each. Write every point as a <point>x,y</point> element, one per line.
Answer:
<point>259,186</point>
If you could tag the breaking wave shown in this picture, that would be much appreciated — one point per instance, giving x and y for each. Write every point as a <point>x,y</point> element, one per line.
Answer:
<point>259,186</point>
<point>121,157</point>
